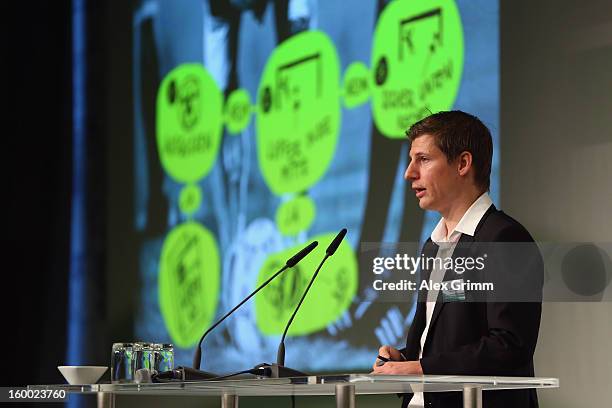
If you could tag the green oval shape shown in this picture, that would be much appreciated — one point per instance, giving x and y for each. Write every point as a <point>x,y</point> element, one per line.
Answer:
<point>190,199</point>
<point>298,112</point>
<point>417,62</point>
<point>189,280</point>
<point>329,297</point>
<point>295,216</point>
<point>356,85</point>
<point>237,111</point>
<point>189,122</point>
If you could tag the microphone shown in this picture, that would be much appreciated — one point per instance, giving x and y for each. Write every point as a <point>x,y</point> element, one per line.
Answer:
<point>279,370</point>
<point>291,262</point>
<point>331,249</point>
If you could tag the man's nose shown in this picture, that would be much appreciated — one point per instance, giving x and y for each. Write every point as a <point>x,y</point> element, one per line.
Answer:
<point>410,173</point>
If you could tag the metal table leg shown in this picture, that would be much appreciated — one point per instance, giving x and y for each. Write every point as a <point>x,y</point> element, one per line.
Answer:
<point>345,396</point>
<point>106,400</point>
<point>472,397</point>
<point>229,401</point>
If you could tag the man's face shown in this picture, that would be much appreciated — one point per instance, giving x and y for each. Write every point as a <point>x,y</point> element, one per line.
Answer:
<point>435,181</point>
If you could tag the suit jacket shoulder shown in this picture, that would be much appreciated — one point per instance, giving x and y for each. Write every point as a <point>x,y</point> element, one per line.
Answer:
<point>497,226</point>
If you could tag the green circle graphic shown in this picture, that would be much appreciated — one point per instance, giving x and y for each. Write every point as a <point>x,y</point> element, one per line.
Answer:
<point>189,122</point>
<point>190,199</point>
<point>237,111</point>
<point>356,85</point>
<point>189,280</point>
<point>329,297</point>
<point>296,215</point>
<point>417,62</point>
<point>298,112</point>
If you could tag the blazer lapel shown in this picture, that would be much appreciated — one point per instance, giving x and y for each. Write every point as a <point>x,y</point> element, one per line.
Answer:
<point>430,249</point>
<point>413,340</point>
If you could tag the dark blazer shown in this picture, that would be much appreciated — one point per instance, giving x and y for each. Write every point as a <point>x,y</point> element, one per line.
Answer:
<point>491,338</point>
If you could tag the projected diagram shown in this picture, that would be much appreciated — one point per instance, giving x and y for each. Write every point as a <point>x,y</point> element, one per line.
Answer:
<point>188,281</point>
<point>418,60</point>
<point>416,66</point>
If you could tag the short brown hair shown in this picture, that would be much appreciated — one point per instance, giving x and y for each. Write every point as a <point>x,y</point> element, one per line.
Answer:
<point>456,132</point>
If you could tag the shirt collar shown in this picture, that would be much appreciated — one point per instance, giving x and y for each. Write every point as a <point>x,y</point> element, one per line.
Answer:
<point>467,224</point>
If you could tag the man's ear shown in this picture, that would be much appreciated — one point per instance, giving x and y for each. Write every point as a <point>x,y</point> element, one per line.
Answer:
<point>464,163</point>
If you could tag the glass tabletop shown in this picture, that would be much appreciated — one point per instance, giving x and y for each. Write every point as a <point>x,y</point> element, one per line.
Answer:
<point>314,385</point>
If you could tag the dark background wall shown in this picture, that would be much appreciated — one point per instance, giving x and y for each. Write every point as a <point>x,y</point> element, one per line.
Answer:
<point>37,166</point>
<point>37,147</point>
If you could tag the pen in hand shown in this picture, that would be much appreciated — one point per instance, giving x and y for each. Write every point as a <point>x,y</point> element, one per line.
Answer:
<point>380,360</point>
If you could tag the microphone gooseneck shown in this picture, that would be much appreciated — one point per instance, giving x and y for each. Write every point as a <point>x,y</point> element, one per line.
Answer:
<point>331,249</point>
<point>280,355</point>
<point>197,357</point>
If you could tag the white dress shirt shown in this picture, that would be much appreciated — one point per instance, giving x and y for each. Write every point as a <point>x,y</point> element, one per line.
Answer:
<point>447,243</point>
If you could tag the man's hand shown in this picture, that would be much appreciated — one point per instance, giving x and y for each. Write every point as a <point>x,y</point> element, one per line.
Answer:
<point>399,368</point>
<point>388,352</point>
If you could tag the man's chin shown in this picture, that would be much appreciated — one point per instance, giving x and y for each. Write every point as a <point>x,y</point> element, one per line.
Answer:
<point>424,204</point>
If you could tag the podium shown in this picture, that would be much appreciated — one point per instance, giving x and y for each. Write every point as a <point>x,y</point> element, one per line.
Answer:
<point>345,387</point>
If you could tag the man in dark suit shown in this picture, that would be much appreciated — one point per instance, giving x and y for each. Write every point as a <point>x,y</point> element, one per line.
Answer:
<point>464,332</point>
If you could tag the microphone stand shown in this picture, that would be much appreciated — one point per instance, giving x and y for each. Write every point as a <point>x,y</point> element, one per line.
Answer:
<point>278,370</point>
<point>198,352</point>
<point>195,373</point>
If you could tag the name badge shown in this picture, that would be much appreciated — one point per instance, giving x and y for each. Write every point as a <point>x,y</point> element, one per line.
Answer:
<point>454,291</point>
